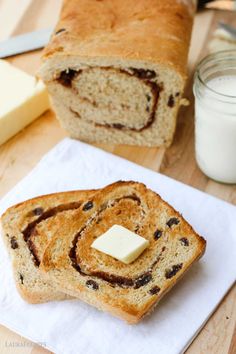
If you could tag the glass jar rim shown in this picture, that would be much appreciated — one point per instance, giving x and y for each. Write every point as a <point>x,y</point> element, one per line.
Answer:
<point>209,58</point>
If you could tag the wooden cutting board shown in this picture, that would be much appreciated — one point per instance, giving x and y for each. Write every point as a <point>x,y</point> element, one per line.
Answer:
<point>22,153</point>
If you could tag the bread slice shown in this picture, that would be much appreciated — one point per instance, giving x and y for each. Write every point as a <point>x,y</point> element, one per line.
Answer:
<point>126,291</point>
<point>19,225</point>
<point>116,69</point>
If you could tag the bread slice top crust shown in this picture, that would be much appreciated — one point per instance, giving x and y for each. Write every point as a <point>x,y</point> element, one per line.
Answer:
<point>112,32</point>
<point>19,229</point>
<point>127,291</point>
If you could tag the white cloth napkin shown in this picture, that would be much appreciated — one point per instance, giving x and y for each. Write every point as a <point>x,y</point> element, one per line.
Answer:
<point>74,327</point>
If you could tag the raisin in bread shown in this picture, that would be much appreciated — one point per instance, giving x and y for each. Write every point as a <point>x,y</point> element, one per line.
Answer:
<point>127,291</point>
<point>116,69</point>
<point>20,224</point>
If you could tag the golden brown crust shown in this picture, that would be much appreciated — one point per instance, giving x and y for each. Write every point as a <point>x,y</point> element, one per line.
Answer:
<point>97,44</point>
<point>154,31</point>
<point>41,199</point>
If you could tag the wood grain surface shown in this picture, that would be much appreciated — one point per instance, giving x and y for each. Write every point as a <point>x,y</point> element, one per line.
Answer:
<point>19,155</point>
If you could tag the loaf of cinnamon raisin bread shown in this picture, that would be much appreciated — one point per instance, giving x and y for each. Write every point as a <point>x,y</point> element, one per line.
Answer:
<point>116,69</point>
<point>20,228</point>
<point>128,291</point>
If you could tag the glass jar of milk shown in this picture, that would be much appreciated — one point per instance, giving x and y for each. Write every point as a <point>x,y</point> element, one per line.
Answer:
<point>215,116</point>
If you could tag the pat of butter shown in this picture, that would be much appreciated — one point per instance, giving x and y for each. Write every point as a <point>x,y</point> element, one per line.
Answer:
<point>121,244</point>
<point>22,99</point>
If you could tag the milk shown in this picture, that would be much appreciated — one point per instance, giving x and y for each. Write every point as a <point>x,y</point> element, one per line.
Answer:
<point>215,129</point>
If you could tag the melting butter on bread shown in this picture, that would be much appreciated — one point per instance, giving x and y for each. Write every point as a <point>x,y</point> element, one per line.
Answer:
<point>127,291</point>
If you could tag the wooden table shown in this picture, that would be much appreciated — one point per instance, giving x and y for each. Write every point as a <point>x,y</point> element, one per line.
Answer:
<point>19,155</point>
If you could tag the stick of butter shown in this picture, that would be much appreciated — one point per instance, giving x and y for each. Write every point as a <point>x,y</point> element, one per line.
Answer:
<point>22,99</point>
<point>121,244</point>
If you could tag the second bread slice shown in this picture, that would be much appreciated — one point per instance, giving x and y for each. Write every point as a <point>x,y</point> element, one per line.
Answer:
<point>20,225</point>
